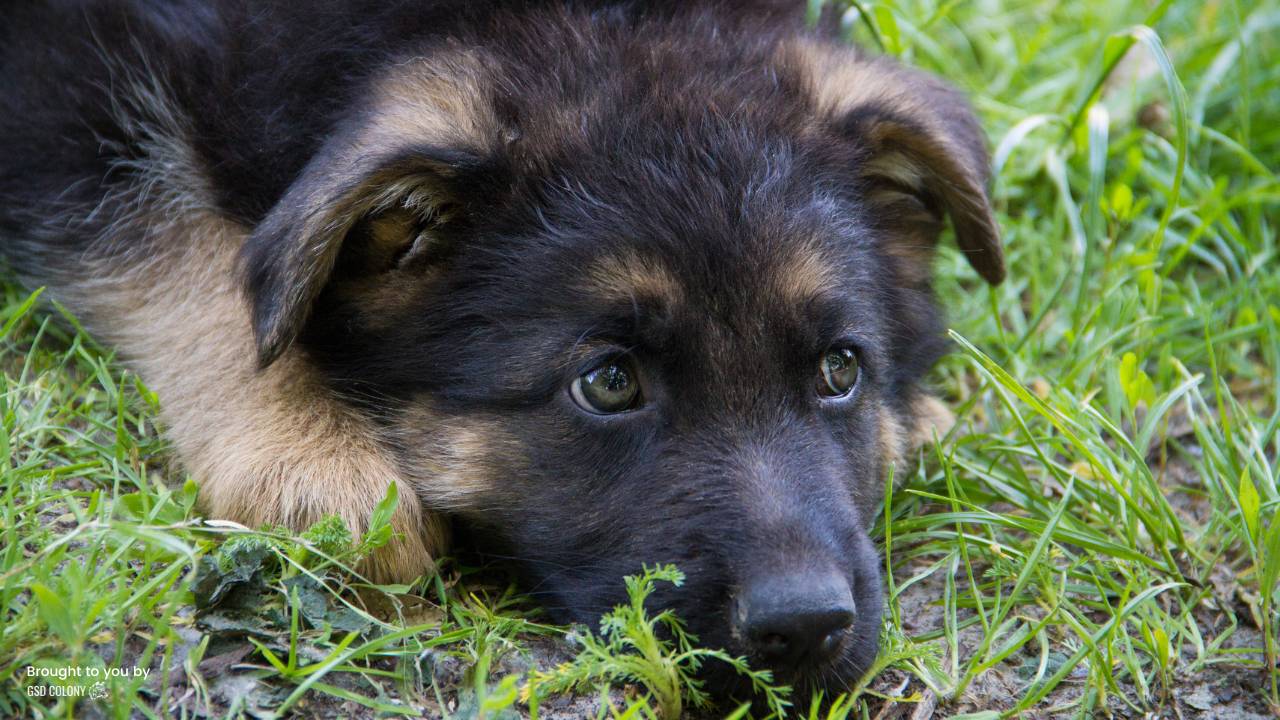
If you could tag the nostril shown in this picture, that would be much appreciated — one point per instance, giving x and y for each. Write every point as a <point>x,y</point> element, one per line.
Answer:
<point>773,645</point>
<point>832,643</point>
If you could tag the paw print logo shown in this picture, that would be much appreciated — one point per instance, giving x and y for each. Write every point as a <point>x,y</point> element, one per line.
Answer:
<point>98,691</point>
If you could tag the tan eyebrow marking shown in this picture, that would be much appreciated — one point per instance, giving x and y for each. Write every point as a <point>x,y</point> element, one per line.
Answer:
<point>803,273</point>
<point>632,276</point>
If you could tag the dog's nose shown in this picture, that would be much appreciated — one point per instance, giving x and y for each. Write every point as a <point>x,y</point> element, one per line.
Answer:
<point>790,619</point>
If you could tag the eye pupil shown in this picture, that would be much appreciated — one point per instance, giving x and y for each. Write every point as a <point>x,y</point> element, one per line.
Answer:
<point>615,377</point>
<point>610,388</point>
<point>839,372</point>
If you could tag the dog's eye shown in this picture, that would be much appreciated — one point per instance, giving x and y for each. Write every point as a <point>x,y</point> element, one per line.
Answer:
<point>839,372</point>
<point>609,388</point>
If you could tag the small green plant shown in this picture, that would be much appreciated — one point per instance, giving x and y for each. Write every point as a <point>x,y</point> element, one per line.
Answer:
<point>654,652</point>
<point>270,553</point>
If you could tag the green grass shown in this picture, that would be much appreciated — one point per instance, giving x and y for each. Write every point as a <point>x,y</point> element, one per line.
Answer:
<point>1101,531</point>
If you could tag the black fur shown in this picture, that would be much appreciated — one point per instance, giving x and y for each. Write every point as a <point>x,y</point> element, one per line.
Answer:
<point>697,148</point>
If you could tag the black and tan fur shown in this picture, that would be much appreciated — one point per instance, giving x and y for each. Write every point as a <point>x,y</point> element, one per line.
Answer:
<point>350,244</point>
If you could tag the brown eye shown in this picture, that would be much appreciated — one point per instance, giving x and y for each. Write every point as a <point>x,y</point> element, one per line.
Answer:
<point>609,388</point>
<point>838,372</point>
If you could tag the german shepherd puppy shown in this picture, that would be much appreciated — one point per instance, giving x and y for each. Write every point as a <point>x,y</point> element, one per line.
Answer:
<point>598,284</point>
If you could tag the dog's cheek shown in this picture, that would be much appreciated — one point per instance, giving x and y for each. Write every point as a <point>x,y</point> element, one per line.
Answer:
<point>903,433</point>
<point>458,461</point>
<point>930,418</point>
<point>893,442</point>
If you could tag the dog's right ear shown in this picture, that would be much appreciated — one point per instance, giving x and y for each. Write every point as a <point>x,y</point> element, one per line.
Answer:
<point>398,172</point>
<point>923,152</point>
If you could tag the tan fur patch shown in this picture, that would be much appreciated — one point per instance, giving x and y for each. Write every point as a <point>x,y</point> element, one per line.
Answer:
<point>893,442</point>
<point>457,461</point>
<point>804,273</point>
<point>633,276</point>
<point>439,99</point>
<point>924,135</point>
<point>271,446</point>
<point>390,234</point>
<point>842,81</point>
<point>930,417</point>
<point>914,251</point>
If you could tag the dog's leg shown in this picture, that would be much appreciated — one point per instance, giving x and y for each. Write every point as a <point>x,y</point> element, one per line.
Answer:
<point>268,446</point>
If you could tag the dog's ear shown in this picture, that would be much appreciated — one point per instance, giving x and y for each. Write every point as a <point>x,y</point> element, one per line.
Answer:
<point>922,152</point>
<point>385,181</point>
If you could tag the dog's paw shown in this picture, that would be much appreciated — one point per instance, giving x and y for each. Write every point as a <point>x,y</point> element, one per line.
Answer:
<point>297,490</point>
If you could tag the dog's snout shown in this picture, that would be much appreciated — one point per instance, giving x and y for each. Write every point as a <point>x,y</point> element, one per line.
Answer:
<point>790,620</point>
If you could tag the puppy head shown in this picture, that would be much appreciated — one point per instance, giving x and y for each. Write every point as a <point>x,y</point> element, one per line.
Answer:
<point>617,310</point>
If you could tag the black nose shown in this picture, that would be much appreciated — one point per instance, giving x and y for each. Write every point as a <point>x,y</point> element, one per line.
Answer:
<point>788,620</point>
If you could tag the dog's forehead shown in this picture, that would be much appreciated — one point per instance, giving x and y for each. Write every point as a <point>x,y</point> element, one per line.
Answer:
<point>752,278</point>
<point>710,224</point>
<point>702,207</point>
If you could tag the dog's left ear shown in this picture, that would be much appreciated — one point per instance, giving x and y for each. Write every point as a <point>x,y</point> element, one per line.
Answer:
<point>379,190</point>
<point>922,150</point>
<point>388,203</point>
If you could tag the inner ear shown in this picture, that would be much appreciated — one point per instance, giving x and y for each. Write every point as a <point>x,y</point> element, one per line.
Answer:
<point>396,238</point>
<point>898,187</point>
<point>929,162</point>
<point>348,217</point>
